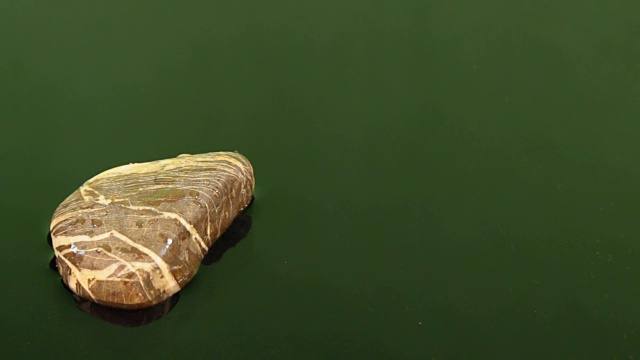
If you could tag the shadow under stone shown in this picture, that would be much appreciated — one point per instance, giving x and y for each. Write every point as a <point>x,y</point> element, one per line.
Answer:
<point>238,230</point>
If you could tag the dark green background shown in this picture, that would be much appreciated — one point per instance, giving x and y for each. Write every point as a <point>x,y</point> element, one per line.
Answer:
<point>435,179</point>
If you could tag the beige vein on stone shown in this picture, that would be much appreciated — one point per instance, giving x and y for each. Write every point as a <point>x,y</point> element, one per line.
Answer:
<point>122,261</point>
<point>88,198</point>
<point>75,276</point>
<point>60,218</point>
<point>192,230</point>
<point>179,162</point>
<point>170,283</point>
<point>206,205</point>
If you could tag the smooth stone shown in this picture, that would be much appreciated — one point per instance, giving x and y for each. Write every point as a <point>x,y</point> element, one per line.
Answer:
<point>133,236</point>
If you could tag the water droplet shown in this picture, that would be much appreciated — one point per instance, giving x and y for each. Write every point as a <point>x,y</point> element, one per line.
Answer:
<point>96,223</point>
<point>139,224</point>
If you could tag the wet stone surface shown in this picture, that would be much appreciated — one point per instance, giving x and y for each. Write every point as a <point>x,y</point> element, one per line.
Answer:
<point>133,236</point>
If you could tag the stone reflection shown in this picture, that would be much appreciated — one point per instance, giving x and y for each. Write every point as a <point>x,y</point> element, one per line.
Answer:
<point>238,230</point>
<point>126,317</point>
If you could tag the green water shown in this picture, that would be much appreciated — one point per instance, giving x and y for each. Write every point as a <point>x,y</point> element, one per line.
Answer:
<point>435,179</point>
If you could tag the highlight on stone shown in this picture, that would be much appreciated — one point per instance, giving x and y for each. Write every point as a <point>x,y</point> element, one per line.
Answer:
<point>133,236</point>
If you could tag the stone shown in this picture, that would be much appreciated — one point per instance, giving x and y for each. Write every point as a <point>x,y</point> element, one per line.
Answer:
<point>133,236</point>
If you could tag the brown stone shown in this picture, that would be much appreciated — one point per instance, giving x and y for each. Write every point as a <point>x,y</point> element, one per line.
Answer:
<point>134,235</point>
